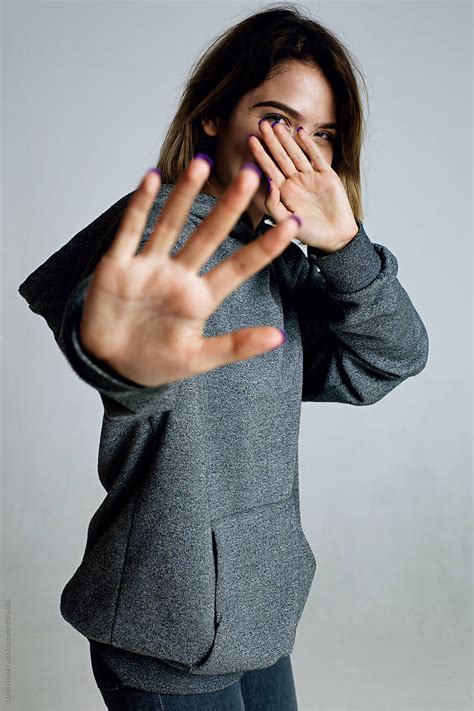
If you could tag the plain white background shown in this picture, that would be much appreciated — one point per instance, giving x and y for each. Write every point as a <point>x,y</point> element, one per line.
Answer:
<point>88,90</point>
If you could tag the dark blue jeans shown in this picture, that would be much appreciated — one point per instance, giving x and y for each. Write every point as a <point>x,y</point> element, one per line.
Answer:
<point>269,689</point>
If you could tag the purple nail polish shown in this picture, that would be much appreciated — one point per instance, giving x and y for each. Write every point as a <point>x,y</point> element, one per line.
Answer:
<point>297,218</point>
<point>249,134</point>
<point>275,123</point>
<point>285,337</point>
<point>269,183</point>
<point>262,119</point>
<point>254,167</point>
<point>204,156</point>
<point>154,170</point>
<point>299,128</point>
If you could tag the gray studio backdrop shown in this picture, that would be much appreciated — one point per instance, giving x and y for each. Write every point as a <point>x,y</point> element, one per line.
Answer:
<point>88,90</point>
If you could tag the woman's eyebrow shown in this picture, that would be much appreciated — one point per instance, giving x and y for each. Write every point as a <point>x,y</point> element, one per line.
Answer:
<point>292,112</point>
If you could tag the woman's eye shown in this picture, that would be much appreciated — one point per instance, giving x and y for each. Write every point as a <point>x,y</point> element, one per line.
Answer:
<point>273,116</point>
<point>328,136</point>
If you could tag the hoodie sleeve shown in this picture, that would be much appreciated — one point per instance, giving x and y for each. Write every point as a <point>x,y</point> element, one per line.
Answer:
<point>361,334</point>
<point>120,397</point>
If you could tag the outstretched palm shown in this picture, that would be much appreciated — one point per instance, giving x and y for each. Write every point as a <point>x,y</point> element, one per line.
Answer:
<point>144,313</point>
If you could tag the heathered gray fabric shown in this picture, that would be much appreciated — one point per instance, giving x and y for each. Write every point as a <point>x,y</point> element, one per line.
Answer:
<point>196,567</point>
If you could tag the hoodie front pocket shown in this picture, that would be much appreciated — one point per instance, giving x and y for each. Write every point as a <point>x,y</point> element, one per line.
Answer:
<point>265,567</point>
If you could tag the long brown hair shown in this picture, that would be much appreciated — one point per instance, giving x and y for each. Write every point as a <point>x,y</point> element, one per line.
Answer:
<point>241,59</point>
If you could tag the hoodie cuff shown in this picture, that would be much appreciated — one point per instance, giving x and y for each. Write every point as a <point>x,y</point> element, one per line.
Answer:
<point>350,268</point>
<point>106,380</point>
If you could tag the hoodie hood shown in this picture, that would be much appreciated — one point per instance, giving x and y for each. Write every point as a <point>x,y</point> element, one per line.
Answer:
<point>243,229</point>
<point>48,288</point>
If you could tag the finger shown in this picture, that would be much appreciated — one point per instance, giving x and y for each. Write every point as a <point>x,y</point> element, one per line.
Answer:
<point>315,154</point>
<point>299,159</point>
<point>266,163</point>
<point>127,239</point>
<point>248,260</point>
<point>279,153</point>
<point>237,345</point>
<point>273,204</point>
<point>219,222</point>
<point>175,212</point>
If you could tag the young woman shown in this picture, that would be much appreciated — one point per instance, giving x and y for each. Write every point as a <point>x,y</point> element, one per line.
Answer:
<point>172,305</point>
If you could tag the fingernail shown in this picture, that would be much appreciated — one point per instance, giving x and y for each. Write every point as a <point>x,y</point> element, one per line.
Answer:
<point>249,134</point>
<point>262,119</point>
<point>275,123</point>
<point>254,167</point>
<point>269,184</point>
<point>154,170</point>
<point>297,218</point>
<point>204,156</point>
<point>285,337</point>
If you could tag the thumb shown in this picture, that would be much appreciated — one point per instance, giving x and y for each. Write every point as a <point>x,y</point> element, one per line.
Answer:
<point>273,204</point>
<point>235,346</point>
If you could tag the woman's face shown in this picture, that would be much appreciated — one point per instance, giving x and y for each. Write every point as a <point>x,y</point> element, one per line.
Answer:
<point>303,89</point>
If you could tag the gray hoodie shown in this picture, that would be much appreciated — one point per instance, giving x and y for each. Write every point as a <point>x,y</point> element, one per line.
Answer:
<point>196,567</point>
